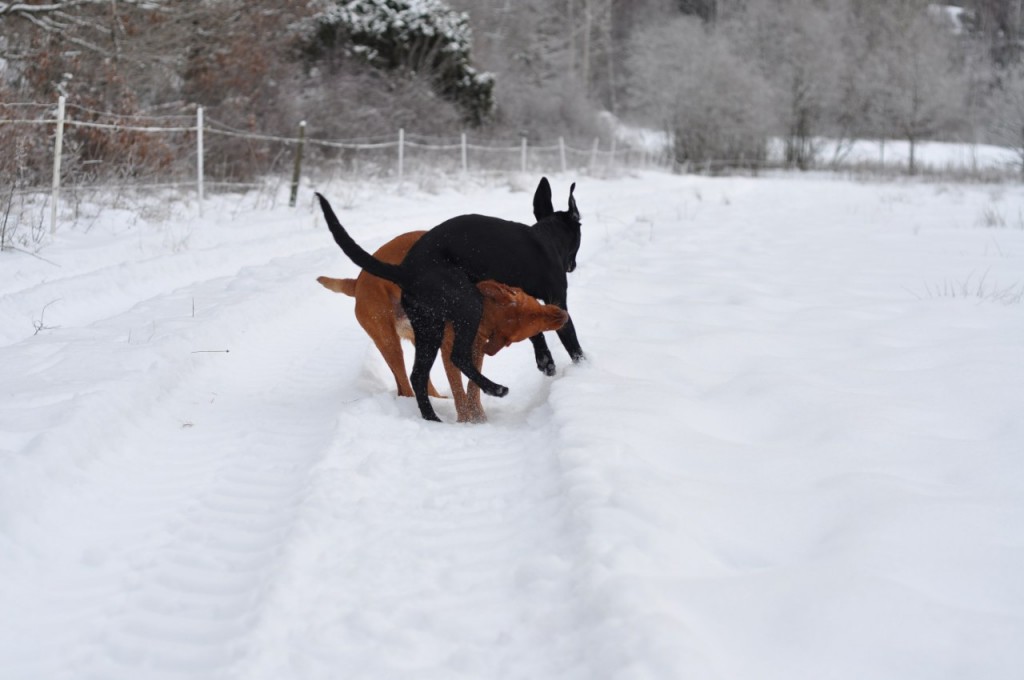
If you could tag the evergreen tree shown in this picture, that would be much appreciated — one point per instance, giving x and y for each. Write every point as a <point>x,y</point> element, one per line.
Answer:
<point>425,38</point>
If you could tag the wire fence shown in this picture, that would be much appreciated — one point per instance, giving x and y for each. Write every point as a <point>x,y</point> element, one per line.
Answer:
<point>61,159</point>
<point>185,152</point>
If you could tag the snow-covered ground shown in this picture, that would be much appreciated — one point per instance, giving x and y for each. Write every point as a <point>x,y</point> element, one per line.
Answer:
<point>796,449</point>
<point>930,157</point>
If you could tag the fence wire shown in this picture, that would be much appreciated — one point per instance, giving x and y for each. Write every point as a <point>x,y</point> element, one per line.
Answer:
<point>106,149</point>
<point>62,160</point>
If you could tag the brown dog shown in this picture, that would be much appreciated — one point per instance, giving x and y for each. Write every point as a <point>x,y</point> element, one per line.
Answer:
<point>509,315</point>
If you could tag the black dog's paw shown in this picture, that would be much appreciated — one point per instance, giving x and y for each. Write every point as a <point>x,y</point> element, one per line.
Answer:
<point>546,365</point>
<point>496,390</point>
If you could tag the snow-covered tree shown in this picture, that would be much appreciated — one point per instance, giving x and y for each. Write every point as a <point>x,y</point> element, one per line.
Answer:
<point>690,81</point>
<point>422,37</point>
<point>921,93</point>
<point>794,43</point>
<point>1007,112</point>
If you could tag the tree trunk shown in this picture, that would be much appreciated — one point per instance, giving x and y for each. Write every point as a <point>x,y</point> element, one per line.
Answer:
<point>587,22</point>
<point>572,38</point>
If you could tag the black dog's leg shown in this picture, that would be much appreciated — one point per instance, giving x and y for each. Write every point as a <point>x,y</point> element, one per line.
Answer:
<point>465,323</point>
<point>428,342</point>
<point>464,362</point>
<point>545,362</point>
<point>567,334</point>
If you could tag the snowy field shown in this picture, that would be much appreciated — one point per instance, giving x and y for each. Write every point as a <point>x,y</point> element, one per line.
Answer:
<point>796,449</point>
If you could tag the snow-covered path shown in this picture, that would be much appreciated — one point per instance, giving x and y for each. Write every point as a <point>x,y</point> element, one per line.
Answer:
<point>794,450</point>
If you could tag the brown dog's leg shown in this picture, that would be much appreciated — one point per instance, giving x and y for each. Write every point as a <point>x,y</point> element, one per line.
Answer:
<point>384,336</point>
<point>375,304</point>
<point>468,407</point>
<point>475,408</point>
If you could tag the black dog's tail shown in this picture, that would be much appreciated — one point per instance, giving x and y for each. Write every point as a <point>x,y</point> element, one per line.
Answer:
<point>355,252</point>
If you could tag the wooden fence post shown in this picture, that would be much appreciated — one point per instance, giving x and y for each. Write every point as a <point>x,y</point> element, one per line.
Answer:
<point>401,154</point>
<point>561,152</point>
<point>297,170</point>
<point>199,157</point>
<point>465,160</point>
<point>593,154</point>
<point>522,161</point>
<point>58,145</point>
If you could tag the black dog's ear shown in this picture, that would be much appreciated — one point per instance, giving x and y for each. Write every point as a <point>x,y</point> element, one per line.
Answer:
<point>542,206</point>
<point>574,212</point>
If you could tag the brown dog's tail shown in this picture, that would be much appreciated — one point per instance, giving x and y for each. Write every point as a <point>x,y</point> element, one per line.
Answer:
<point>355,252</point>
<point>346,286</point>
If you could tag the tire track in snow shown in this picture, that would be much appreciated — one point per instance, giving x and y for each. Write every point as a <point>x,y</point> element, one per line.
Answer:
<point>202,535</point>
<point>442,551</point>
<point>429,551</point>
<point>268,545</point>
<point>189,595</point>
<point>172,518</point>
<point>93,294</point>
<point>142,353</point>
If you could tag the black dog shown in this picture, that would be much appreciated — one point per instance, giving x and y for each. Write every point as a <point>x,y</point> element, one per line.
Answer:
<point>438,279</point>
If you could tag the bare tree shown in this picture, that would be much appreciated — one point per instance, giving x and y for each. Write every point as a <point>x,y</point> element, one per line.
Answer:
<point>1001,23</point>
<point>707,10</point>
<point>794,43</point>
<point>535,47</point>
<point>1007,113</point>
<point>921,93</point>
<point>690,81</point>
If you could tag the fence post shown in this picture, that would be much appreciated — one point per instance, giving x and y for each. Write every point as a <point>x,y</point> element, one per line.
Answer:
<point>593,154</point>
<point>199,157</point>
<point>58,145</point>
<point>297,171</point>
<point>401,154</point>
<point>465,160</point>
<point>561,152</point>
<point>611,158</point>
<point>522,163</point>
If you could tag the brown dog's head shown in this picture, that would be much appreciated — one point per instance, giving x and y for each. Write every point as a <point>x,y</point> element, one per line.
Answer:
<point>510,315</point>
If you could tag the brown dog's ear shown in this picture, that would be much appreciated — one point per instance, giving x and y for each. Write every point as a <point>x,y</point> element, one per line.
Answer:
<point>574,212</point>
<point>542,206</point>
<point>499,293</point>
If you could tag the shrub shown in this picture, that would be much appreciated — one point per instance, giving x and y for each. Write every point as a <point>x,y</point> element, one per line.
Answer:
<point>717,107</point>
<point>425,38</point>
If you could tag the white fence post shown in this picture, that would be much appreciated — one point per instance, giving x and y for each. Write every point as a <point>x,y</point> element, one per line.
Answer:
<point>199,157</point>
<point>297,169</point>
<point>611,158</point>
<point>401,154</point>
<point>593,154</point>
<point>465,161</point>
<point>57,149</point>
<point>561,152</point>
<point>522,163</point>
